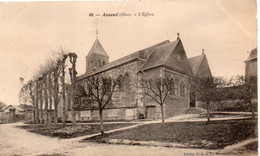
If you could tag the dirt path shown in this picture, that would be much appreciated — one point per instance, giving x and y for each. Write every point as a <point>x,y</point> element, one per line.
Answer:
<point>232,148</point>
<point>15,141</point>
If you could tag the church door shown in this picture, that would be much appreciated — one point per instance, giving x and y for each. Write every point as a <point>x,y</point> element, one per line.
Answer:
<point>150,112</point>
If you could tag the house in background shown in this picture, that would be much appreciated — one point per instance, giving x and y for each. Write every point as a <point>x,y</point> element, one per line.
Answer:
<point>165,59</point>
<point>251,64</point>
<point>12,113</point>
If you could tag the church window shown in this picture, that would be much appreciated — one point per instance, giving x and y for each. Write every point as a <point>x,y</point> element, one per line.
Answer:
<point>104,63</point>
<point>126,82</point>
<point>99,63</point>
<point>172,88</point>
<point>120,83</point>
<point>182,89</point>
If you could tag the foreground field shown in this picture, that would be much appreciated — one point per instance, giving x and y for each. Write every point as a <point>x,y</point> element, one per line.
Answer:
<point>69,131</point>
<point>17,141</point>
<point>215,135</point>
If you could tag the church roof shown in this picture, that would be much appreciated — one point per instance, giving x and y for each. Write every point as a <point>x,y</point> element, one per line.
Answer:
<point>143,54</point>
<point>253,55</point>
<point>97,48</point>
<point>195,62</point>
<point>160,55</point>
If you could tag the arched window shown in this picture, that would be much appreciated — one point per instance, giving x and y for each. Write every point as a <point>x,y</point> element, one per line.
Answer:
<point>120,83</point>
<point>126,82</point>
<point>172,88</point>
<point>182,89</point>
<point>104,63</point>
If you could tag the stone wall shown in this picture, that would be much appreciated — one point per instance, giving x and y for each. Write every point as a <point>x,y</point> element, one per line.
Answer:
<point>125,97</point>
<point>108,114</point>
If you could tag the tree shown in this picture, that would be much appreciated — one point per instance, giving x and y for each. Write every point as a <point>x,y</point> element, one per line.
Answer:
<point>246,89</point>
<point>27,95</point>
<point>206,89</point>
<point>101,89</point>
<point>62,66</point>
<point>158,90</point>
<point>73,73</point>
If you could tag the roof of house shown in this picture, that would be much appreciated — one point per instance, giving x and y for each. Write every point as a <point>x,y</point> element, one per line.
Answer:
<point>97,48</point>
<point>252,55</point>
<point>18,108</point>
<point>195,62</point>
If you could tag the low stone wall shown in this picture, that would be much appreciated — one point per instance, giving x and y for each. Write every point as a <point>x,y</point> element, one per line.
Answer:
<point>108,114</point>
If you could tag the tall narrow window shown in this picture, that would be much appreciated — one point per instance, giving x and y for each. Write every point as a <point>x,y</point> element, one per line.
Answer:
<point>120,83</point>
<point>182,89</point>
<point>126,83</point>
<point>172,88</point>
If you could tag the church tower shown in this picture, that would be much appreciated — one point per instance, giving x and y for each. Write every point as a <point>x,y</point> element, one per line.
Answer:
<point>96,57</point>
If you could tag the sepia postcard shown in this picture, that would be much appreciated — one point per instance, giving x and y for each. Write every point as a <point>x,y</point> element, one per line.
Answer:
<point>106,78</point>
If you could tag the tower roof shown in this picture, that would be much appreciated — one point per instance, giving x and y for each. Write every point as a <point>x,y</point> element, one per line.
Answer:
<point>253,55</point>
<point>97,48</point>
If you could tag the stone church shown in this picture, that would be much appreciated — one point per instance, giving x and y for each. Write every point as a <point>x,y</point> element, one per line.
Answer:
<point>165,59</point>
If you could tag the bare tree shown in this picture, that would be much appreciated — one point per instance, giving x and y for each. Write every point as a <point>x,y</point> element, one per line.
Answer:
<point>158,90</point>
<point>73,73</point>
<point>27,95</point>
<point>62,66</point>
<point>46,100</point>
<point>246,90</point>
<point>36,101</point>
<point>101,89</point>
<point>206,90</point>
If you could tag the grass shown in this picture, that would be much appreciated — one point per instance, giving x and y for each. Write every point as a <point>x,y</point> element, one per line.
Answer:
<point>69,131</point>
<point>252,146</point>
<point>215,135</point>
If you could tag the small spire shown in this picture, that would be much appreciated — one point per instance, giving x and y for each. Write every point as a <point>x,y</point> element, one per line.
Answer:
<point>178,36</point>
<point>97,29</point>
<point>97,34</point>
<point>202,51</point>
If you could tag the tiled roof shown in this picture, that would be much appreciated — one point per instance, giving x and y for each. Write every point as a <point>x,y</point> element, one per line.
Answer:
<point>194,63</point>
<point>253,55</point>
<point>97,49</point>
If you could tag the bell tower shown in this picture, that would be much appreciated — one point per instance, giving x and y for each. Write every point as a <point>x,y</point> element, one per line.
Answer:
<point>97,57</point>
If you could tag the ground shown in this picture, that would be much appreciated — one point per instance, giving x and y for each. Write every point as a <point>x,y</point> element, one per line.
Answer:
<point>197,134</point>
<point>70,131</point>
<point>16,141</point>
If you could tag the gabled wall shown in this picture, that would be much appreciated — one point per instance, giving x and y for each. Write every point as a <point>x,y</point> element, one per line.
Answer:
<point>203,69</point>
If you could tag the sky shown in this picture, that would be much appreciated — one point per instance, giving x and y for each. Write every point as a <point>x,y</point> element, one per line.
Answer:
<point>31,31</point>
